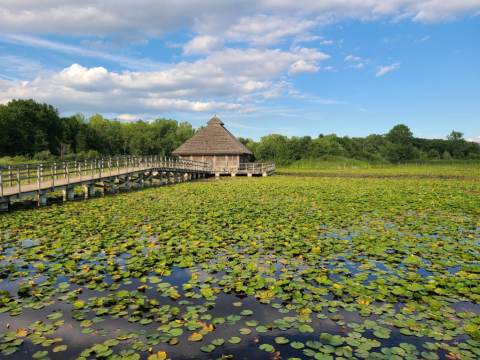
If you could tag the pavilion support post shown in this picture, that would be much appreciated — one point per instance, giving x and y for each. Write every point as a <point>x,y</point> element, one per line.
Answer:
<point>161,178</point>
<point>89,191</point>
<point>234,174</point>
<point>4,206</point>
<point>42,199</point>
<point>217,174</point>
<point>249,174</point>
<point>265,174</point>
<point>203,176</point>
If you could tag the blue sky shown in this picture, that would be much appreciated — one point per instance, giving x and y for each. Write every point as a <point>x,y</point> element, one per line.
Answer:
<point>292,67</point>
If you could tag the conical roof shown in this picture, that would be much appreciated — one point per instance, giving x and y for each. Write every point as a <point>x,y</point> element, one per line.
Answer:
<point>213,139</point>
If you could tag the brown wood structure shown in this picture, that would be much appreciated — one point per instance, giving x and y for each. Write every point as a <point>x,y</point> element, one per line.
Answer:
<point>108,174</point>
<point>224,153</point>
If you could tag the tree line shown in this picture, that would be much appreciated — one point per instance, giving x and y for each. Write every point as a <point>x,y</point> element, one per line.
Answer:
<point>398,144</point>
<point>30,130</point>
<point>36,131</point>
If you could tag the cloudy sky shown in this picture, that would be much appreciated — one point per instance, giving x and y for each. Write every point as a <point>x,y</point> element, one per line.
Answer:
<point>294,67</point>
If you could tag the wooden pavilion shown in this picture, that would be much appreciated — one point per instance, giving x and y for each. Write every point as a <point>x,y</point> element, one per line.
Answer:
<point>224,153</point>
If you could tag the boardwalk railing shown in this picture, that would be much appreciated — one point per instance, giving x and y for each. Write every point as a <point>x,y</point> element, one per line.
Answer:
<point>21,175</point>
<point>22,181</point>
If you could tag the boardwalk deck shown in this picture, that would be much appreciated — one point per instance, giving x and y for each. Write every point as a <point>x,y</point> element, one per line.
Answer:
<point>17,182</point>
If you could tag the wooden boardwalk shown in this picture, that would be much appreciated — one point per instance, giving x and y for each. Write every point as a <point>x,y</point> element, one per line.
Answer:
<point>109,174</point>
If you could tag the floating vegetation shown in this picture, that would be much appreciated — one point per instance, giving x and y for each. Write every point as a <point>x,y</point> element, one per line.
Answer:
<point>301,265</point>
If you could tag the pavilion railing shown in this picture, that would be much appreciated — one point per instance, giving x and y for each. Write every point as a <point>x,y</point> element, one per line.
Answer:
<point>235,166</point>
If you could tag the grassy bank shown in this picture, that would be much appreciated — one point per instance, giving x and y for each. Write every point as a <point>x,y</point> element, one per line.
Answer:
<point>343,163</point>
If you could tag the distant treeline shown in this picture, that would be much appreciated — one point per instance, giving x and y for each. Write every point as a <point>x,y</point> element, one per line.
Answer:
<point>397,145</point>
<point>29,130</point>
<point>34,130</point>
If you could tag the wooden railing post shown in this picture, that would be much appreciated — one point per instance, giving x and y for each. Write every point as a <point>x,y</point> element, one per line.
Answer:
<point>67,173</point>
<point>38,179</point>
<point>52,176</point>
<point>19,182</point>
<point>1,182</point>
<point>10,174</point>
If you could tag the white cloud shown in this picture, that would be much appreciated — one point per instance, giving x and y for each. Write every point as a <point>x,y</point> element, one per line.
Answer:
<point>352,58</point>
<point>267,30</point>
<point>170,44</point>
<point>152,18</point>
<point>271,94</point>
<point>303,67</point>
<point>182,87</point>
<point>76,50</point>
<point>421,40</point>
<point>358,66</point>
<point>329,68</point>
<point>202,45</point>
<point>307,38</point>
<point>384,69</point>
<point>128,117</point>
<point>326,42</point>
<point>19,64</point>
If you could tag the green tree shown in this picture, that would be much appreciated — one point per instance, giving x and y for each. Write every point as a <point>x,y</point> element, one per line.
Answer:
<point>455,136</point>
<point>433,154</point>
<point>319,147</point>
<point>400,135</point>
<point>402,139</point>
<point>457,145</point>
<point>28,127</point>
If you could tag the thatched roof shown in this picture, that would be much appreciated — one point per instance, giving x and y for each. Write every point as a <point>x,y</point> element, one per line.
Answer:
<point>213,139</point>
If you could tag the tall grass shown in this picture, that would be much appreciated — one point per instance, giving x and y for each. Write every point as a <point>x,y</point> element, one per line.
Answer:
<point>344,163</point>
<point>440,162</point>
<point>17,160</point>
<point>337,164</point>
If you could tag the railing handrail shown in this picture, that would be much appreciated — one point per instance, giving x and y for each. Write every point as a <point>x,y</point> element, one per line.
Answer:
<point>72,161</point>
<point>18,175</point>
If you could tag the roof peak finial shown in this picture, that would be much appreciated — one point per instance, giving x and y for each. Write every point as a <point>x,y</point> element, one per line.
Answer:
<point>215,121</point>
